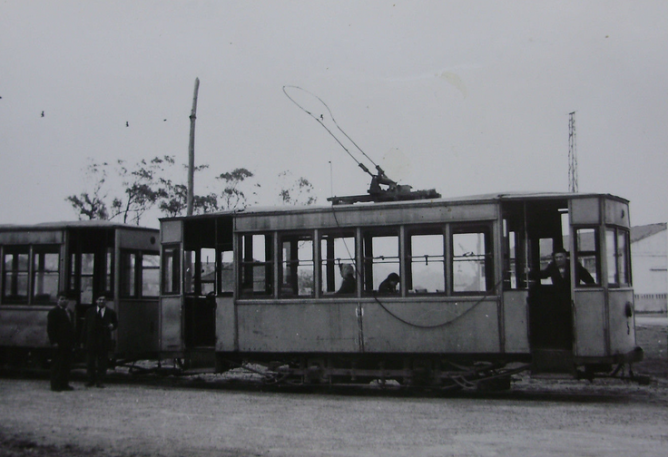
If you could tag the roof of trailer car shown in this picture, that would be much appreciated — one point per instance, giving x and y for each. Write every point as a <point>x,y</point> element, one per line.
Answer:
<point>72,224</point>
<point>480,198</point>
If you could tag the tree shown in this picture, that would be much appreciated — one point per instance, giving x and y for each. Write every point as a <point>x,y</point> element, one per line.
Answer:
<point>297,192</point>
<point>142,187</point>
<point>146,184</point>
<point>91,205</point>
<point>175,199</point>
<point>232,196</point>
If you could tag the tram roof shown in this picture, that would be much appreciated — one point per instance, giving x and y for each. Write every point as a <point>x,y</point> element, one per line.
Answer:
<point>71,225</point>
<point>461,200</point>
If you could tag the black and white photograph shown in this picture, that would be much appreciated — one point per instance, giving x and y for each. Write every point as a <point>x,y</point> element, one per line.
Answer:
<point>329,228</point>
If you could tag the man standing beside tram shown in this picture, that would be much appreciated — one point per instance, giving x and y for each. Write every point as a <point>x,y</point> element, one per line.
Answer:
<point>100,322</point>
<point>60,330</point>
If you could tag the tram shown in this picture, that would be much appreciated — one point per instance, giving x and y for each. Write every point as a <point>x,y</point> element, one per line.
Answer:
<point>264,285</point>
<point>83,259</point>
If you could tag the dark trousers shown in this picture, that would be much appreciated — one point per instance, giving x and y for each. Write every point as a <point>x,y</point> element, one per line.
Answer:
<point>97,363</point>
<point>60,368</point>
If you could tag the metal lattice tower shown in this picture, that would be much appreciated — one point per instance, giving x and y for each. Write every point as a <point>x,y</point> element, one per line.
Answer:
<point>572,155</point>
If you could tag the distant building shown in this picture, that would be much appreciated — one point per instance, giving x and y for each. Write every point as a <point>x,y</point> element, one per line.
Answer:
<point>649,258</point>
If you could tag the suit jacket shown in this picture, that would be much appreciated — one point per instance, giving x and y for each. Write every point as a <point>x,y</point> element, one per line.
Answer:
<point>60,327</point>
<point>97,334</point>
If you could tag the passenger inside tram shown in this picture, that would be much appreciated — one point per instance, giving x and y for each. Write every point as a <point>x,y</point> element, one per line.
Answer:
<point>389,285</point>
<point>559,271</point>
<point>349,284</point>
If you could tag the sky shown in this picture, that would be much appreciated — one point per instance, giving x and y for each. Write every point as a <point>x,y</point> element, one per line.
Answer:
<point>466,97</point>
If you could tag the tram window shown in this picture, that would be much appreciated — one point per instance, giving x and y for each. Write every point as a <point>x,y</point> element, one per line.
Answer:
<point>46,263</point>
<point>109,265</point>
<point>207,274</point>
<point>617,256</point>
<point>150,275</point>
<point>426,261</point>
<point>171,273</point>
<point>297,266</point>
<point>189,268</point>
<point>381,258</point>
<point>226,278</point>
<point>15,281</point>
<point>511,268</point>
<point>86,278</point>
<point>471,260</point>
<point>336,249</point>
<point>128,274</point>
<point>587,252</point>
<point>257,265</point>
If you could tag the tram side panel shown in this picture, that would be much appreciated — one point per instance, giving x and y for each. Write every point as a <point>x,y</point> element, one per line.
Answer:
<point>298,327</point>
<point>25,328</point>
<point>463,327</point>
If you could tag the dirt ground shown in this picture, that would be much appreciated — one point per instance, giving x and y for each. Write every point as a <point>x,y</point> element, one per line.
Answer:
<point>185,416</point>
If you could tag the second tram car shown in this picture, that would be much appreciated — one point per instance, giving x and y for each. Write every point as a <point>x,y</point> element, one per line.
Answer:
<point>265,285</point>
<point>84,260</point>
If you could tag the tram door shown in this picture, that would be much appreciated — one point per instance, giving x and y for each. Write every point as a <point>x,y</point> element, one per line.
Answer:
<point>90,270</point>
<point>200,297</point>
<point>536,229</point>
<point>199,283</point>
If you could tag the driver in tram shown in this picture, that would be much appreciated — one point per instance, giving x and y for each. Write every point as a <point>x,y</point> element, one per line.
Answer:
<point>559,271</point>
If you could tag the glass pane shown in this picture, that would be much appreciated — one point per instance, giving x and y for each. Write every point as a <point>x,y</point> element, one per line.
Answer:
<point>87,263</point>
<point>46,287</point>
<point>150,275</point>
<point>23,262</point>
<point>109,262</point>
<point>86,290</point>
<point>189,272</point>
<point>622,253</point>
<point>45,281</point>
<point>128,263</point>
<point>587,252</point>
<point>611,256</point>
<point>208,273</point>
<point>297,267</point>
<point>170,271</point>
<point>427,263</point>
<point>336,251</point>
<point>385,259</point>
<point>227,271</point>
<point>257,266</point>
<point>468,267</point>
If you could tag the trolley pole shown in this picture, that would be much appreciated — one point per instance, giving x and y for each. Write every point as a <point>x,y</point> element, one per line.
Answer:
<point>191,152</point>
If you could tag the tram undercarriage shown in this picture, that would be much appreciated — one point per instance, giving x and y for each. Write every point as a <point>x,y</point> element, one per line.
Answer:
<point>402,371</point>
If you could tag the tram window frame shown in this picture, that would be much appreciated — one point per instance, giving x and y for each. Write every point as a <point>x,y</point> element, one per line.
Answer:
<point>338,245</point>
<point>39,263</point>
<point>249,287</point>
<point>225,273</point>
<point>486,257</point>
<point>372,276</point>
<point>618,257</point>
<point>12,273</point>
<point>411,260</point>
<point>171,269</point>
<point>585,254</point>
<point>134,274</point>
<point>298,260</point>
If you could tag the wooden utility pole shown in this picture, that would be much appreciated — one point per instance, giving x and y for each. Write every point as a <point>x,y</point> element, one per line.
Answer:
<point>191,152</point>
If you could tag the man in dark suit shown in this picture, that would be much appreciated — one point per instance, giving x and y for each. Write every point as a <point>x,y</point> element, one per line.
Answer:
<point>100,322</point>
<point>60,329</point>
<point>559,271</point>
